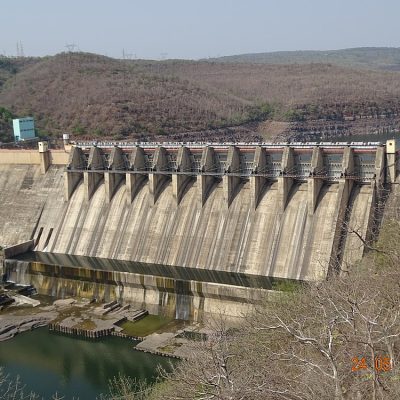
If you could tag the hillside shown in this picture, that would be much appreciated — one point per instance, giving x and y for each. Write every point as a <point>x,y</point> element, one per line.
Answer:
<point>5,125</point>
<point>387,58</point>
<point>9,67</point>
<point>89,95</point>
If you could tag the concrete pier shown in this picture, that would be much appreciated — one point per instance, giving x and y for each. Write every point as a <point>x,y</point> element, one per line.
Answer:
<point>316,180</point>
<point>76,163</point>
<point>206,181</point>
<point>157,182</point>
<point>134,181</point>
<point>180,181</point>
<point>230,180</point>
<point>285,181</point>
<point>93,179</point>
<point>113,179</point>
<point>85,333</point>
<point>257,183</point>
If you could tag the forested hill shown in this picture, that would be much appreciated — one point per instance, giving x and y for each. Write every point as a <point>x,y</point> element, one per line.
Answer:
<point>89,95</point>
<point>386,58</point>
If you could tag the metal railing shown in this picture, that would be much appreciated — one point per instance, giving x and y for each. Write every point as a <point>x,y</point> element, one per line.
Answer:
<point>267,174</point>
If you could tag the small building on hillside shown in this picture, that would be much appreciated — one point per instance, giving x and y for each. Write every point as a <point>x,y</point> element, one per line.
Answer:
<point>24,128</point>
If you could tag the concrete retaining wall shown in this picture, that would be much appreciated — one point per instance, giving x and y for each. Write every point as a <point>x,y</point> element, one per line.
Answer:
<point>9,157</point>
<point>20,248</point>
<point>58,157</point>
<point>31,157</point>
<point>155,294</point>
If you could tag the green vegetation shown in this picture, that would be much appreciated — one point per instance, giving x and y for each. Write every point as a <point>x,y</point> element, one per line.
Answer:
<point>6,117</point>
<point>293,115</point>
<point>145,326</point>
<point>85,324</point>
<point>261,111</point>
<point>8,64</point>
<point>78,130</point>
<point>42,134</point>
<point>287,286</point>
<point>97,132</point>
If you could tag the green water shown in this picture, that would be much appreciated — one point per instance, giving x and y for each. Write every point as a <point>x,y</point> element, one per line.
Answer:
<point>49,363</point>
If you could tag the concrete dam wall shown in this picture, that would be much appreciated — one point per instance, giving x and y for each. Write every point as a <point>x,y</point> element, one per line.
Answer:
<point>275,211</point>
<point>264,241</point>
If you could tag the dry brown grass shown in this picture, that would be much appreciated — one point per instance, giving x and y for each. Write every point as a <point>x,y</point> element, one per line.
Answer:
<point>90,95</point>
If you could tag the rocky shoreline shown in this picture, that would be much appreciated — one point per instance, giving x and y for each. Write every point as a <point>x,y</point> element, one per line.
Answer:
<point>90,320</point>
<point>12,325</point>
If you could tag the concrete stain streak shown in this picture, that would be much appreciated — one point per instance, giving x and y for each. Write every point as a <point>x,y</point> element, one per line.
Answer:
<point>263,241</point>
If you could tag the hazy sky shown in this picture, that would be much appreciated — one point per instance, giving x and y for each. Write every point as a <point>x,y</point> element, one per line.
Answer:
<point>196,29</point>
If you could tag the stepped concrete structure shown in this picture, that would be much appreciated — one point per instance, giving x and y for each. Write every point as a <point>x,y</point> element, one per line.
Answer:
<point>255,210</point>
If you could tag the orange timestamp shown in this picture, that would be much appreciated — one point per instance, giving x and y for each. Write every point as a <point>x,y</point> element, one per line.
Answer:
<point>381,364</point>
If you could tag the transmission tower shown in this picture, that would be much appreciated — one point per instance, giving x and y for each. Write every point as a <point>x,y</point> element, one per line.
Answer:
<point>127,56</point>
<point>20,49</point>
<point>71,47</point>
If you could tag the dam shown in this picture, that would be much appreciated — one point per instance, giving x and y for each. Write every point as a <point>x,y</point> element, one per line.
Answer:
<point>191,228</point>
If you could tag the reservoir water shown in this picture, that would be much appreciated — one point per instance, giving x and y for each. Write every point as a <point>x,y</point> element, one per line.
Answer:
<point>48,363</point>
<point>381,137</point>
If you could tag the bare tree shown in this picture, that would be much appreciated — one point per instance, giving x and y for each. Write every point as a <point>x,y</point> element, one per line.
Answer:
<point>125,388</point>
<point>14,389</point>
<point>338,339</point>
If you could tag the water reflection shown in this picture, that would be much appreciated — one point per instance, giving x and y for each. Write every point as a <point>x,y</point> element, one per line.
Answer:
<point>49,363</point>
<point>381,137</point>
